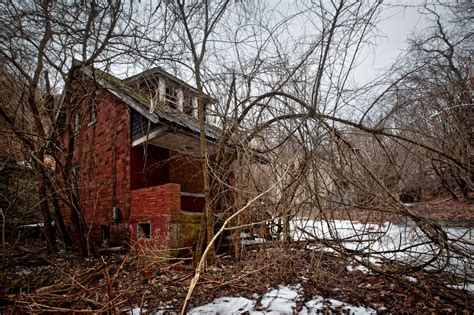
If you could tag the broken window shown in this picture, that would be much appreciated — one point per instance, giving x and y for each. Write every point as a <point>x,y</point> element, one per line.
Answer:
<point>150,87</point>
<point>187,104</point>
<point>171,96</point>
<point>205,112</point>
<point>143,230</point>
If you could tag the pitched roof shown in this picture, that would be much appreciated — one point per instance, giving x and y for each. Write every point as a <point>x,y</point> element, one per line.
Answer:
<point>159,71</point>
<point>133,98</point>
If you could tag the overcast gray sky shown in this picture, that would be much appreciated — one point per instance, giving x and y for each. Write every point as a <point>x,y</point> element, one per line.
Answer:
<point>398,20</point>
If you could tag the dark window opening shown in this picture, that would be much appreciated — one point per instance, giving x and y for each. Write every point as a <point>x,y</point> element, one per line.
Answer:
<point>77,122</point>
<point>150,88</point>
<point>75,176</point>
<point>105,232</point>
<point>93,112</point>
<point>171,96</point>
<point>187,104</point>
<point>143,230</point>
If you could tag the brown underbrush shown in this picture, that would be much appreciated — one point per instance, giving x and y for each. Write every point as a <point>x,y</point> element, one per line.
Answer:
<point>65,282</point>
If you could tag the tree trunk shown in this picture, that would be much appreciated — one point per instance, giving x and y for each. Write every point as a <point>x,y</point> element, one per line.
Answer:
<point>59,217</point>
<point>79,229</point>
<point>43,204</point>
<point>77,220</point>
<point>208,207</point>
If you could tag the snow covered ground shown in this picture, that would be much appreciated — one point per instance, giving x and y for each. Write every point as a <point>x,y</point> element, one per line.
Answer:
<point>375,242</point>
<point>388,241</point>
<point>281,300</point>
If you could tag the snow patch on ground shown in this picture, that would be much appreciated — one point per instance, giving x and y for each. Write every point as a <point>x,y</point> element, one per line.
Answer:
<point>388,241</point>
<point>320,305</point>
<point>412,279</point>
<point>358,267</point>
<point>134,311</point>
<point>352,267</point>
<point>373,243</point>
<point>225,305</point>
<point>468,287</point>
<point>281,300</point>
<point>248,239</point>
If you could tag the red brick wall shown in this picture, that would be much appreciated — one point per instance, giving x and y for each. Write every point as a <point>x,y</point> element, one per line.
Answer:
<point>164,199</point>
<point>154,205</point>
<point>164,166</point>
<point>102,151</point>
<point>186,171</point>
<point>110,169</point>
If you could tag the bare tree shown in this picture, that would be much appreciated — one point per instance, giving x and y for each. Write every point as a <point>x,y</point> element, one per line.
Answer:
<point>343,135</point>
<point>44,43</point>
<point>435,102</point>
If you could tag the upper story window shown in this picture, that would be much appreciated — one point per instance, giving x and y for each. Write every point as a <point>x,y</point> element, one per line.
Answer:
<point>171,96</point>
<point>75,172</point>
<point>77,122</point>
<point>188,104</point>
<point>93,112</point>
<point>150,87</point>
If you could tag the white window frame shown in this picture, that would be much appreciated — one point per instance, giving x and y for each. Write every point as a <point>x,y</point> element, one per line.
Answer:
<point>171,99</point>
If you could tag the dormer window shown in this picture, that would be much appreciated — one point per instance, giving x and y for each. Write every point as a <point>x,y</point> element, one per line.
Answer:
<point>171,96</point>
<point>187,104</point>
<point>150,87</point>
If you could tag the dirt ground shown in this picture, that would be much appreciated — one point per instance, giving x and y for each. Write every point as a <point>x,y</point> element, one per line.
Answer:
<point>36,282</point>
<point>449,211</point>
<point>444,210</point>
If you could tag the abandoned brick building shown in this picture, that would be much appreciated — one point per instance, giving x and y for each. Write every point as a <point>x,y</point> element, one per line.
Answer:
<point>135,159</point>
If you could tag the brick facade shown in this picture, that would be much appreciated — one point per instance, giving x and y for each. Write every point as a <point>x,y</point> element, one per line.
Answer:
<point>102,153</point>
<point>163,166</point>
<point>145,185</point>
<point>155,206</point>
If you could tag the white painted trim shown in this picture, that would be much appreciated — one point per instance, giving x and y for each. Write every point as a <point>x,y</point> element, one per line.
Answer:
<point>188,194</point>
<point>191,213</point>
<point>149,136</point>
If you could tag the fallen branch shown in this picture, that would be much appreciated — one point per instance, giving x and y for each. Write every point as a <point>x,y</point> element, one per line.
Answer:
<point>211,243</point>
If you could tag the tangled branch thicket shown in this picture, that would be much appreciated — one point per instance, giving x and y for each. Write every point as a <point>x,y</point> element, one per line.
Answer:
<point>336,155</point>
<point>309,159</point>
